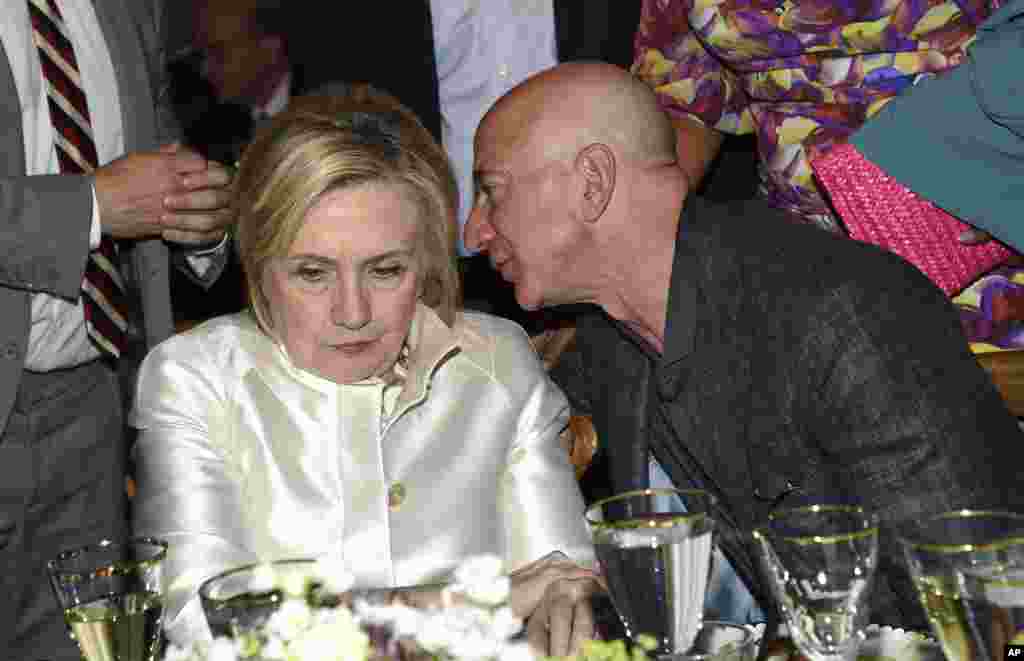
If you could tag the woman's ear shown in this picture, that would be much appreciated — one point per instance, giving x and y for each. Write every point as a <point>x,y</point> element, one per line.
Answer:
<point>596,166</point>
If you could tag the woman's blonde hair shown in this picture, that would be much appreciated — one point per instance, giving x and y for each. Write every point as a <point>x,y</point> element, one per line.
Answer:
<point>331,141</point>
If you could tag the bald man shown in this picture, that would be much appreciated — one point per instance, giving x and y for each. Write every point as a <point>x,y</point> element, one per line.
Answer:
<point>768,362</point>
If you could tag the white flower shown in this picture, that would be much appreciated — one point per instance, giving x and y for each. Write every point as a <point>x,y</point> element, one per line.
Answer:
<point>274,649</point>
<point>290,619</point>
<point>504,624</point>
<point>336,637</point>
<point>478,630</point>
<point>403,620</point>
<point>264,579</point>
<point>219,649</point>
<point>517,652</point>
<point>222,649</point>
<point>175,653</point>
<point>480,579</point>
<point>293,584</point>
<point>331,570</point>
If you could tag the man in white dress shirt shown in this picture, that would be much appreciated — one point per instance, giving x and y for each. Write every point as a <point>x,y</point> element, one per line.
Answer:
<point>62,444</point>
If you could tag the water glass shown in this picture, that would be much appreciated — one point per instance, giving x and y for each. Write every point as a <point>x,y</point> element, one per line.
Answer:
<point>965,566</point>
<point>241,600</point>
<point>820,560</point>
<point>112,598</point>
<point>654,547</point>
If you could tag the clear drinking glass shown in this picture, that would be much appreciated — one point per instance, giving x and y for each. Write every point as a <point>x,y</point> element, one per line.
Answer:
<point>112,598</point>
<point>994,602</point>
<point>654,546</point>
<point>961,562</point>
<point>242,599</point>
<point>821,560</point>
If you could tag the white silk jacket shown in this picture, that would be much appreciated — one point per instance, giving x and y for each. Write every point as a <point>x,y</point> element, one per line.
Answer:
<point>244,457</point>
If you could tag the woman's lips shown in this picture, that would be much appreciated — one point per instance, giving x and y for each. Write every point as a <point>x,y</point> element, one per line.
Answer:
<point>354,348</point>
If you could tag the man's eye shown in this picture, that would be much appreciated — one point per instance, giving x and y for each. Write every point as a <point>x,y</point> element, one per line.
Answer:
<point>484,196</point>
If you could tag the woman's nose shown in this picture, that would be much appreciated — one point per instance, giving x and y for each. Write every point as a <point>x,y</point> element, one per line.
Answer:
<point>350,306</point>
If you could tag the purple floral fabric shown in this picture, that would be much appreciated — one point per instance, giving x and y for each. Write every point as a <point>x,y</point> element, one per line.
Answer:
<point>801,74</point>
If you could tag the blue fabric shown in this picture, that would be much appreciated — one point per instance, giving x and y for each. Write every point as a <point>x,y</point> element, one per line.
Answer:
<point>958,139</point>
<point>727,597</point>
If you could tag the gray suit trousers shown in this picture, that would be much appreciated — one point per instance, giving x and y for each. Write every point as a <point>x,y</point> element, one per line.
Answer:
<point>62,458</point>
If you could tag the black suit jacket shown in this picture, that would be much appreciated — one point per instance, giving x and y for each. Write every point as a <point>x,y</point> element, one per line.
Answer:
<point>798,367</point>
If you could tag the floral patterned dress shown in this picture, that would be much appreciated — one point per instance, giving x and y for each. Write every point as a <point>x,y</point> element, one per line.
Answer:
<point>801,74</point>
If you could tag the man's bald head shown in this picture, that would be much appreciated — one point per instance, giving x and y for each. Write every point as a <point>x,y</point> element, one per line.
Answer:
<point>566,108</point>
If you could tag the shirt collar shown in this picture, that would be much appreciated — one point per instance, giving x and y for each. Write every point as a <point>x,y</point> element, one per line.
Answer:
<point>681,315</point>
<point>278,100</point>
<point>681,312</point>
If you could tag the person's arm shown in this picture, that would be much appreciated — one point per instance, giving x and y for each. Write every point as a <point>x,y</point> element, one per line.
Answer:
<point>208,196</point>
<point>189,491</point>
<point>898,402</point>
<point>547,545</point>
<point>44,233</point>
<point>696,147</point>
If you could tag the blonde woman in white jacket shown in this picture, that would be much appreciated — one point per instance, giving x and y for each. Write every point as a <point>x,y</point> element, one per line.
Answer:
<point>354,410</point>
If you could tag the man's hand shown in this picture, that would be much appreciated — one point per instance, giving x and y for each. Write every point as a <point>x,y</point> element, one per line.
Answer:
<point>173,193</point>
<point>553,596</point>
<point>696,147</point>
<point>974,237</point>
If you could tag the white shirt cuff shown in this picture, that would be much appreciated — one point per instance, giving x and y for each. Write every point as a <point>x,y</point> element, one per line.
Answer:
<point>95,230</point>
<point>201,260</point>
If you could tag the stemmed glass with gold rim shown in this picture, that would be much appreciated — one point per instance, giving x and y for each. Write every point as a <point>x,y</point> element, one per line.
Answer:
<point>654,546</point>
<point>968,568</point>
<point>112,597</point>
<point>821,561</point>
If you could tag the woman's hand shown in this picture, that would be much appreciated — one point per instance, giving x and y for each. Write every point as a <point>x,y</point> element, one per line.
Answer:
<point>553,596</point>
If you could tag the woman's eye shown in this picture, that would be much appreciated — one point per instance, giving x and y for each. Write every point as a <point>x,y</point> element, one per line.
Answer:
<point>308,274</point>
<point>389,272</point>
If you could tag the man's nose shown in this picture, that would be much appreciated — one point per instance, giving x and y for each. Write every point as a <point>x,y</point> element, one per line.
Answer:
<point>478,232</point>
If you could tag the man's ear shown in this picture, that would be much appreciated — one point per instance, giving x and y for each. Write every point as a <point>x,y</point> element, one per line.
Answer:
<point>596,165</point>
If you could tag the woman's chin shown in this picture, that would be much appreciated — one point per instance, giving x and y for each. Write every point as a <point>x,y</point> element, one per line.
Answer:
<point>349,372</point>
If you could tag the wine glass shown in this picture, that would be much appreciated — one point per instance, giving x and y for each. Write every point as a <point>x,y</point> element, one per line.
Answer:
<point>112,598</point>
<point>654,547</point>
<point>966,566</point>
<point>820,560</point>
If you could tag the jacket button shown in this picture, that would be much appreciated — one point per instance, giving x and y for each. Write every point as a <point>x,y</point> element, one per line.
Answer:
<point>396,496</point>
<point>10,351</point>
<point>6,531</point>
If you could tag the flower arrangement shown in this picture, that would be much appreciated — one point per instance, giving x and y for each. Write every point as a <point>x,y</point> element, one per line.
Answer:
<point>473,622</point>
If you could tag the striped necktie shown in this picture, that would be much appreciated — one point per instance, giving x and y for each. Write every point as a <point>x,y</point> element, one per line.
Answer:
<point>103,293</point>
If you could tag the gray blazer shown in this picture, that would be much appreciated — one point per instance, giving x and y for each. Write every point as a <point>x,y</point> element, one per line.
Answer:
<point>45,220</point>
